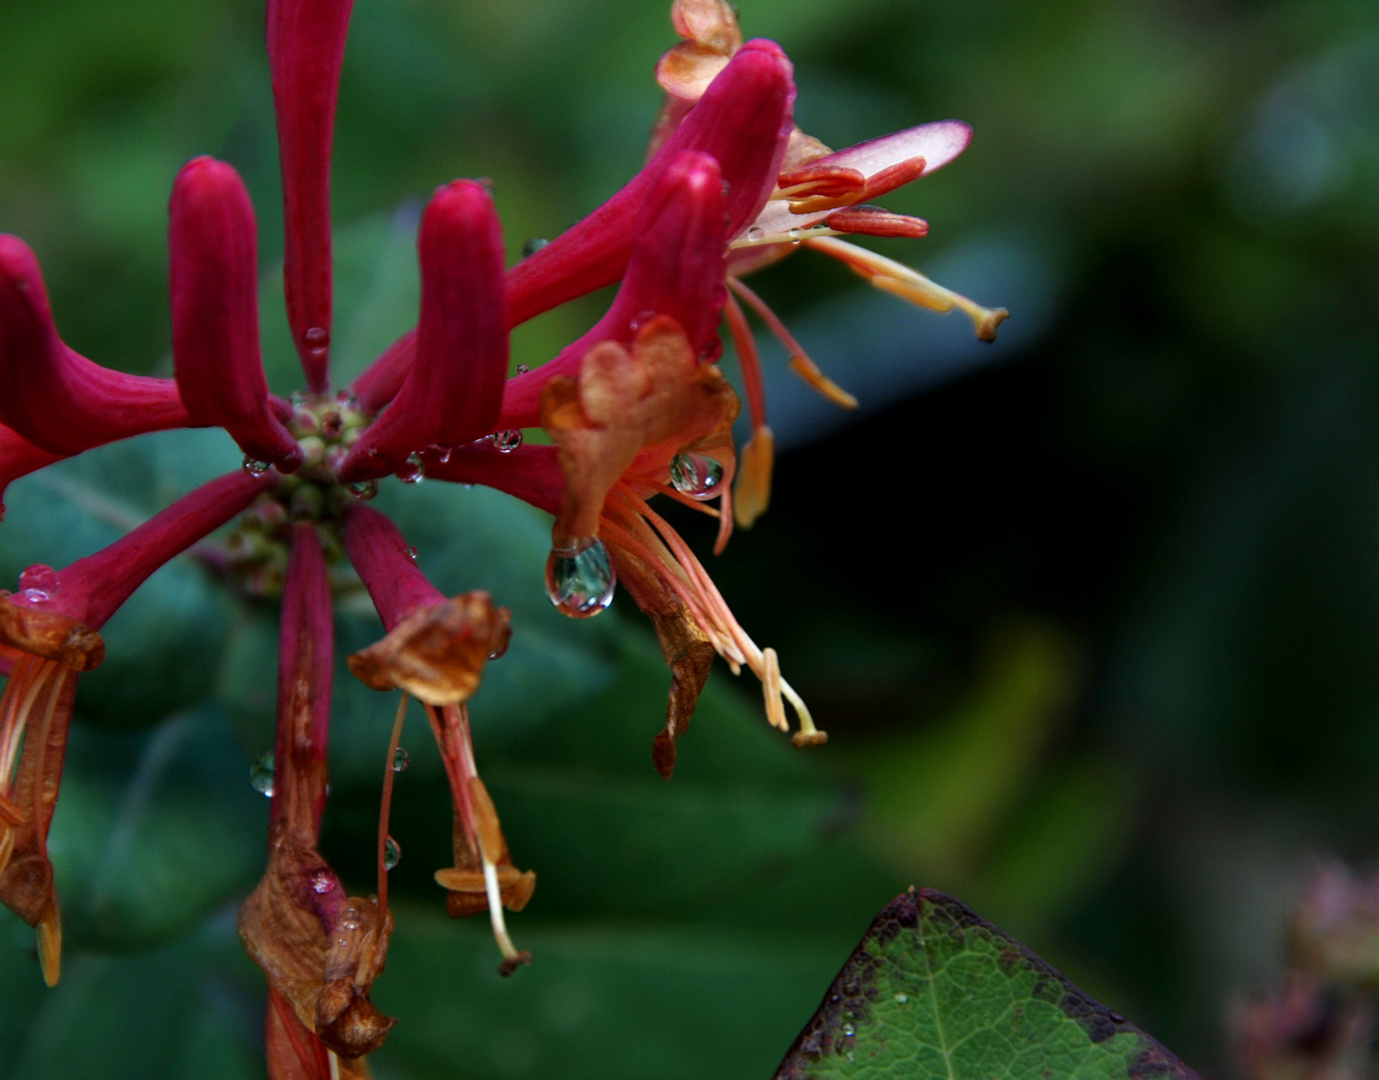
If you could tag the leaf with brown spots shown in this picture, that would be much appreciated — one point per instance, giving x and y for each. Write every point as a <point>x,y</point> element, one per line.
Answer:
<point>934,991</point>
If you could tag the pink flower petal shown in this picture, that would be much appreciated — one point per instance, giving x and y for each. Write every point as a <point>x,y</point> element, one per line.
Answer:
<point>937,143</point>
<point>454,389</point>
<point>54,397</point>
<point>306,47</point>
<point>213,269</point>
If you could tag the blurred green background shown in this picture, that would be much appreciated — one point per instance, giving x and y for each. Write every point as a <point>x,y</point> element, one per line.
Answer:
<point>1116,688</point>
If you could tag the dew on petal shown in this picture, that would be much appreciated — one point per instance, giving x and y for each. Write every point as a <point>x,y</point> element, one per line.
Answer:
<point>532,246</point>
<point>254,467</point>
<point>695,475</point>
<point>391,853</point>
<point>38,582</point>
<point>522,369</point>
<point>412,471</point>
<point>261,774</point>
<point>507,441</point>
<point>411,552</point>
<point>580,579</point>
<point>363,489</point>
<point>401,759</point>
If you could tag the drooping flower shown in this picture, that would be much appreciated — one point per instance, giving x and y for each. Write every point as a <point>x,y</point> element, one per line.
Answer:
<point>635,408</point>
<point>819,194</point>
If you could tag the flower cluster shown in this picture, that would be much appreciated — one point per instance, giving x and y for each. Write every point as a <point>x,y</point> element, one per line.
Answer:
<point>635,408</point>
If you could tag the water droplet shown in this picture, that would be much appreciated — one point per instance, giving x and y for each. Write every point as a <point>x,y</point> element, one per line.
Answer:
<point>849,1031</point>
<point>532,246</point>
<point>1116,1018</point>
<point>507,441</point>
<point>350,920</point>
<point>321,881</point>
<point>756,232</point>
<point>412,471</point>
<point>580,578</point>
<point>347,398</point>
<point>522,369</point>
<point>391,852</point>
<point>38,583</point>
<point>261,774</point>
<point>316,336</point>
<point>298,398</point>
<point>442,453</point>
<point>695,475</point>
<point>255,467</point>
<point>363,489</point>
<point>411,552</point>
<point>401,759</point>
<point>851,1057</point>
<point>902,998</point>
<point>796,236</point>
<point>641,319</point>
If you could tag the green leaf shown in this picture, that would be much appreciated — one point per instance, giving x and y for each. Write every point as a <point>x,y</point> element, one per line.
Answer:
<point>934,990</point>
<point>154,830</point>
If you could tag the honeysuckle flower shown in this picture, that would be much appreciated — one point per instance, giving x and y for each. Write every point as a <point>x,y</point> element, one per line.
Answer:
<point>634,408</point>
<point>50,632</point>
<point>818,195</point>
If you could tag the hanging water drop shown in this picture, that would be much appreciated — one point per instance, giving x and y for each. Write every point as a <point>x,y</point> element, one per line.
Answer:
<point>321,881</point>
<point>532,246</point>
<point>411,552</point>
<point>261,774</point>
<point>796,236</point>
<point>298,398</point>
<point>507,441</point>
<point>522,369</point>
<point>391,853</point>
<point>695,475</point>
<point>902,998</point>
<point>756,232</point>
<point>580,578</point>
<point>363,489</point>
<point>412,471</point>
<point>401,759</point>
<point>38,583</point>
<point>254,467</point>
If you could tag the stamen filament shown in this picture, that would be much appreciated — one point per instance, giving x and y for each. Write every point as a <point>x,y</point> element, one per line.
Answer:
<point>800,362</point>
<point>911,285</point>
<point>386,804</point>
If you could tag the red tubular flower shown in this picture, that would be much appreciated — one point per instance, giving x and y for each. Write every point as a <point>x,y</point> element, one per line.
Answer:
<point>436,649</point>
<point>55,398</point>
<point>51,625</point>
<point>454,388</point>
<point>743,123</point>
<point>676,269</point>
<point>319,948</point>
<point>213,275</point>
<point>306,47</point>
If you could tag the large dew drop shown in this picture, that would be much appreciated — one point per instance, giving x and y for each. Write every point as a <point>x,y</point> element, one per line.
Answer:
<point>391,853</point>
<point>580,578</point>
<point>695,475</point>
<point>261,774</point>
<point>401,759</point>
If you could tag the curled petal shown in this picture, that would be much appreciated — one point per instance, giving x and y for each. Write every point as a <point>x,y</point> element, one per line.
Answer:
<point>437,654</point>
<point>454,389</point>
<point>676,269</point>
<point>657,396</point>
<point>213,261</point>
<point>687,649</point>
<point>54,398</point>
<point>306,47</point>
<point>49,634</point>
